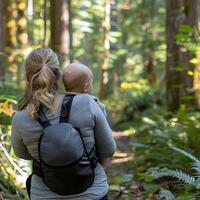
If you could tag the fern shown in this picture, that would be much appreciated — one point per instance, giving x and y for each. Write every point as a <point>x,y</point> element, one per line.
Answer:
<point>196,160</point>
<point>196,164</point>
<point>186,178</point>
<point>196,167</point>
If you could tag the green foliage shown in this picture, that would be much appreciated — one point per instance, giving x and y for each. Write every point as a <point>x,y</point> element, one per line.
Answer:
<point>179,174</point>
<point>154,130</point>
<point>10,172</point>
<point>136,38</point>
<point>133,98</point>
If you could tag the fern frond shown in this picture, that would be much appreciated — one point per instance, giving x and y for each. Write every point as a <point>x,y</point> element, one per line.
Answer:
<point>196,167</point>
<point>179,175</point>
<point>196,160</point>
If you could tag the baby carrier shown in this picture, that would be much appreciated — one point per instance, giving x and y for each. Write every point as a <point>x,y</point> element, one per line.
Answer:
<point>65,165</point>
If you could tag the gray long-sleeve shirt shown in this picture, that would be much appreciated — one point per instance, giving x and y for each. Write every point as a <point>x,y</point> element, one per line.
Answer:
<point>87,115</point>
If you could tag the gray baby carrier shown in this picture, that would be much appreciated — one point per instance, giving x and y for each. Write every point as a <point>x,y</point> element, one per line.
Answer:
<point>65,165</point>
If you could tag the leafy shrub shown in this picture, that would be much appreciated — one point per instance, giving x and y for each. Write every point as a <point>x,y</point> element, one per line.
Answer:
<point>133,98</point>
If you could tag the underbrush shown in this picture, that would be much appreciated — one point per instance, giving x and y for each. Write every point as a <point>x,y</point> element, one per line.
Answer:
<point>153,130</point>
<point>13,171</point>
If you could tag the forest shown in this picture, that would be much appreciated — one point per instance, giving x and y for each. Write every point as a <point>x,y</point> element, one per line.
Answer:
<point>145,57</point>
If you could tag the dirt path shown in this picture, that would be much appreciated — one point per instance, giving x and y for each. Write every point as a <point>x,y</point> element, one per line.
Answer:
<point>122,184</point>
<point>120,173</point>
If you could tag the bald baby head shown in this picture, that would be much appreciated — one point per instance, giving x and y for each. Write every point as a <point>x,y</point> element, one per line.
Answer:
<point>77,78</point>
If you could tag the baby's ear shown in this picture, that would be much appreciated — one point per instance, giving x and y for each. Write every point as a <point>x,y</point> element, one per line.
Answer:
<point>85,87</point>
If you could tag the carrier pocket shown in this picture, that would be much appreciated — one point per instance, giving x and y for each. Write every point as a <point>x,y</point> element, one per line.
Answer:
<point>68,180</point>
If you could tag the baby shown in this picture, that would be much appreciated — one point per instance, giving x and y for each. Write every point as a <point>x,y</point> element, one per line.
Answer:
<point>78,78</point>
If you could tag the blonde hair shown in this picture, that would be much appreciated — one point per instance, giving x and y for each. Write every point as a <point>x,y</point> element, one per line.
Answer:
<point>42,72</point>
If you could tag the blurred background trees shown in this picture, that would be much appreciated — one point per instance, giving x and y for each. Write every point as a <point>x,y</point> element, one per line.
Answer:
<point>145,58</point>
<point>181,24</point>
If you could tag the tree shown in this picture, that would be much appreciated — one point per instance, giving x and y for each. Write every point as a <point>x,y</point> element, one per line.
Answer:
<point>105,64</point>
<point>148,42</point>
<point>179,83</point>
<point>59,29</point>
<point>22,23</point>
<point>70,28</point>
<point>11,26</point>
<point>197,68</point>
<point>45,39</point>
<point>2,39</point>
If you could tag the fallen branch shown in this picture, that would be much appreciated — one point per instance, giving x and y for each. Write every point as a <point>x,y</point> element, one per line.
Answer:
<point>11,160</point>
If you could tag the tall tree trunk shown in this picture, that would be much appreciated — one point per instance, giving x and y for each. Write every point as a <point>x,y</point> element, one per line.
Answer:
<point>149,65</point>
<point>59,29</point>
<point>22,23</point>
<point>45,39</point>
<point>105,64</point>
<point>11,26</point>
<point>179,84</point>
<point>2,39</point>
<point>147,44</point>
<point>118,64</point>
<point>70,28</point>
<point>197,68</point>
<point>197,79</point>
<point>186,92</point>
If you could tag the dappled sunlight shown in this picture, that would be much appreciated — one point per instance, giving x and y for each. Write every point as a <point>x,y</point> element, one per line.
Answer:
<point>122,160</point>
<point>121,134</point>
<point>121,157</point>
<point>144,57</point>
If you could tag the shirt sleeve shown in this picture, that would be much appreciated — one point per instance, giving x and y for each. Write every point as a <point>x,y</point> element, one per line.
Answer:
<point>103,108</point>
<point>19,147</point>
<point>104,140</point>
<point>101,105</point>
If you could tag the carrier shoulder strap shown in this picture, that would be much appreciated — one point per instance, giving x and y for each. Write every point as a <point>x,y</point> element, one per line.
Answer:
<point>65,109</point>
<point>65,112</point>
<point>42,118</point>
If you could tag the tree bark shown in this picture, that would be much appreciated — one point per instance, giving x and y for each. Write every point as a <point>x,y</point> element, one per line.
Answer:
<point>59,29</point>
<point>22,24</point>
<point>2,39</point>
<point>179,83</point>
<point>45,39</point>
<point>11,26</point>
<point>106,53</point>
<point>147,44</point>
<point>70,28</point>
<point>197,68</point>
<point>149,65</point>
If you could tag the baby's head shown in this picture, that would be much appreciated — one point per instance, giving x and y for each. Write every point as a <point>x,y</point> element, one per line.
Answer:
<point>77,78</point>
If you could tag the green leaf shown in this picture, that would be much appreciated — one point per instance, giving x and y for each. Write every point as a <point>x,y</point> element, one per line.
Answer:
<point>166,194</point>
<point>181,37</point>
<point>152,188</point>
<point>187,29</point>
<point>149,121</point>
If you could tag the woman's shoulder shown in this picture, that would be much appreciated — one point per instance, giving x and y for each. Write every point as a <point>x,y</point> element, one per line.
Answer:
<point>21,114</point>
<point>21,117</point>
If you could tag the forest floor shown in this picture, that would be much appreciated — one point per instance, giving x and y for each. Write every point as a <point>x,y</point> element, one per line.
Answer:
<point>122,185</point>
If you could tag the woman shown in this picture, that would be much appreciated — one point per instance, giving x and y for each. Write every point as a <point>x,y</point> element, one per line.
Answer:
<point>42,75</point>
